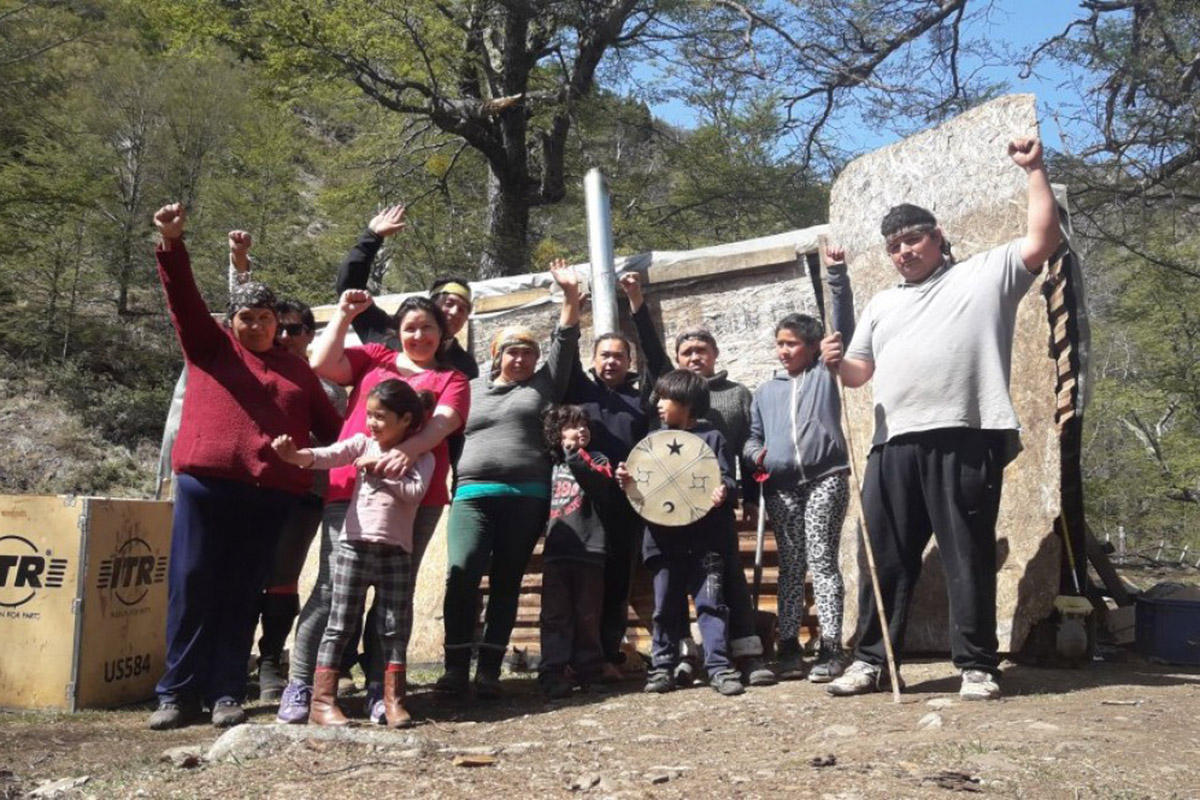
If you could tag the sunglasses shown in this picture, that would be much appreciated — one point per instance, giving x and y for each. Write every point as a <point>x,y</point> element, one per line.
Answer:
<point>293,329</point>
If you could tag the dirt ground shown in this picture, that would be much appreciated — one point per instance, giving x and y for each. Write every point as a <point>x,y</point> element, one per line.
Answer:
<point>1122,728</point>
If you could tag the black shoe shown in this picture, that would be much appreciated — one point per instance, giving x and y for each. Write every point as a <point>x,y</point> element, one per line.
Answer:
<point>227,712</point>
<point>685,675</point>
<point>728,682</point>
<point>660,681</point>
<point>487,685</point>
<point>829,666</point>
<point>172,714</point>
<point>453,681</point>
<point>557,687</point>
<point>271,679</point>
<point>755,672</point>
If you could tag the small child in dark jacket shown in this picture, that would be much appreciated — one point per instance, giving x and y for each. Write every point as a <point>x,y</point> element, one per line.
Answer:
<point>690,559</point>
<point>574,553</point>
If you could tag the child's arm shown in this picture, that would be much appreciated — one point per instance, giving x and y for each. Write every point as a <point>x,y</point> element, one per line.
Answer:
<point>837,278</point>
<point>593,474</point>
<point>623,476</point>
<point>756,445</point>
<point>728,474</point>
<point>285,448</point>
<point>337,454</point>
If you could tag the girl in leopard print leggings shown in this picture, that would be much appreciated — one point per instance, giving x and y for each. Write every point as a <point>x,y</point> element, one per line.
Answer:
<point>807,520</point>
<point>796,438</point>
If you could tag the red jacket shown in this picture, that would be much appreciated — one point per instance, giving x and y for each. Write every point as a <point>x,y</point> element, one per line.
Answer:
<point>237,401</point>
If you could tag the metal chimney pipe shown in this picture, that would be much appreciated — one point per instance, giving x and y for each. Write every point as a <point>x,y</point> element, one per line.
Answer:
<point>600,249</point>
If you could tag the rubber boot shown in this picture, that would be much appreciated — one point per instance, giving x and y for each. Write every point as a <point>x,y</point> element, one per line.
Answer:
<point>487,674</point>
<point>324,709</point>
<point>278,613</point>
<point>395,687</point>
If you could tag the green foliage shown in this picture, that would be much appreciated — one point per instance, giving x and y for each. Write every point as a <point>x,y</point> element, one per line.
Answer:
<point>1142,465</point>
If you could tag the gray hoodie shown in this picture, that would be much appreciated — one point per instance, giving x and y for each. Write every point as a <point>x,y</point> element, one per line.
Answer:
<point>798,420</point>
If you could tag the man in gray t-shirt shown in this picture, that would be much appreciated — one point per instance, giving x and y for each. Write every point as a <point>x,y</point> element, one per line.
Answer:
<point>938,347</point>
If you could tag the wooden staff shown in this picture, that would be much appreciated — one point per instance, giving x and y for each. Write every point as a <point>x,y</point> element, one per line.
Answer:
<point>815,270</point>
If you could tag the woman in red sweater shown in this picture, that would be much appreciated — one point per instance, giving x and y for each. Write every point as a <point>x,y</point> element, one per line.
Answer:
<point>233,491</point>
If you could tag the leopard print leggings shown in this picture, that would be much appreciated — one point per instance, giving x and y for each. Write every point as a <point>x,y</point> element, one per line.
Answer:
<point>807,521</point>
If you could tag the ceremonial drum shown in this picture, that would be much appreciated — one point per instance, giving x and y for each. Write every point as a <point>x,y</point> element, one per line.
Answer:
<point>674,474</point>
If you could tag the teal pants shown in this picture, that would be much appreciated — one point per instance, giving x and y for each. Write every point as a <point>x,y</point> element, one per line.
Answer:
<point>502,530</point>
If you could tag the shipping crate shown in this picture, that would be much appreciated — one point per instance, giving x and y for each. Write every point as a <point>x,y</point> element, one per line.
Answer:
<point>83,600</point>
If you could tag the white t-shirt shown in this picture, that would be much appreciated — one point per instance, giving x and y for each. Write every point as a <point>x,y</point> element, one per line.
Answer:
<point>943,348</point>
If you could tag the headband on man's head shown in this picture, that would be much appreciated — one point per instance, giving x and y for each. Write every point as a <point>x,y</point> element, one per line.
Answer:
<point>249,295</point>
<point>905,218</point>
<point>452,287</point>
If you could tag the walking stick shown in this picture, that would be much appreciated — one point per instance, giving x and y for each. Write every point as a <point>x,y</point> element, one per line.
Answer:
<point>814,270</point>
<point>759,542</point>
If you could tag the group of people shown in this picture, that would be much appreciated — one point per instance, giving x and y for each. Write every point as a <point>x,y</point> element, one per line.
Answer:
<point>524,450</point>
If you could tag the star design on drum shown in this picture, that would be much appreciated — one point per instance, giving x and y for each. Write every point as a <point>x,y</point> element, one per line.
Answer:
<point>676,447</point>
<point>699,481</point>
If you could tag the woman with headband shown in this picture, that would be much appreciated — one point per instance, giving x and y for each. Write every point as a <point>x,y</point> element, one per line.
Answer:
<point>503,496</point>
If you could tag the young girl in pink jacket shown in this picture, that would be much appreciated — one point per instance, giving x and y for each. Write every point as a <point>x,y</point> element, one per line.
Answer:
<point>376,544</point>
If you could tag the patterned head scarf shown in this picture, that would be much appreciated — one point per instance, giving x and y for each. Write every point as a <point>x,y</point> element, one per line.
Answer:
<point>249,295</point>
<point>511,336</point>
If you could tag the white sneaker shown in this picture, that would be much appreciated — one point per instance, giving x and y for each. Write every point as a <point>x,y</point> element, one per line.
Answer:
<point>860,678</point>
<point>978,685</point>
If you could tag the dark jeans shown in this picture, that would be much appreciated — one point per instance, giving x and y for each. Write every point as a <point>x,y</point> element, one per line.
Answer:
<point>623,530</point>
<point>503,530</point>
<point>315,614</point>
<point>570,620</point>
<point>743,637</point>
<point>944,483</point>
<point>223,535</point>
<point>676,576</point>
<point>280,603</point>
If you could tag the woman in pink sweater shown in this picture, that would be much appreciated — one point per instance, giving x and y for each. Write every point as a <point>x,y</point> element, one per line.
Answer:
<point>376,543</point>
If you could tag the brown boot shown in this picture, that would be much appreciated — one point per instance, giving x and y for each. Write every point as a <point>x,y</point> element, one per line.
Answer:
<point>324,709</point>
<point>395,686</point>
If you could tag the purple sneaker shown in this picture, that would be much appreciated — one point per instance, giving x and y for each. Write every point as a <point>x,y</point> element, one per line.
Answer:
<point>293,706</point>
<point>375,704</point>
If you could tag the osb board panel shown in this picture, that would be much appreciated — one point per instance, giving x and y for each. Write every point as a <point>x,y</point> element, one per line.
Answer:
<point>39,575</point>
<point>123,642</point>
<point>961,172</point>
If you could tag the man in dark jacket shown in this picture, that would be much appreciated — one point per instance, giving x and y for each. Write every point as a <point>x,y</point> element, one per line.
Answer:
<point>452,295</point>
<point>616,401</point>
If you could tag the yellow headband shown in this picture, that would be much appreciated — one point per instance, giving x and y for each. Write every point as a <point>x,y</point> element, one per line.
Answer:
<point>455,289</point>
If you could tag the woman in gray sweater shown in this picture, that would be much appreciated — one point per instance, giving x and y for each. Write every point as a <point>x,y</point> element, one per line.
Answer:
<point>503,496</point>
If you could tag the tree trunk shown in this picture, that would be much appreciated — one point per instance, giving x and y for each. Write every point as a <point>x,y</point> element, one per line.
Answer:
<point>507,249</point>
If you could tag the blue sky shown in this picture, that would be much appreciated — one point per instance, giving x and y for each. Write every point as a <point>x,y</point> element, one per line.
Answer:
<point>1022,24</point>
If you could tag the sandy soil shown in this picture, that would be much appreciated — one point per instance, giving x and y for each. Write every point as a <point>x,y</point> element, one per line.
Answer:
<point>1116,729</point>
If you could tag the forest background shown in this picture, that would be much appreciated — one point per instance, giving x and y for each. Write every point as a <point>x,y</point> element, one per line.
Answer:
<point>714,120</point>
